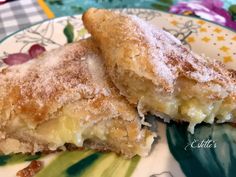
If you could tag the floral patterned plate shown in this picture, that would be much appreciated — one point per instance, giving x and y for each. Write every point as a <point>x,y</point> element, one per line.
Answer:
<point>210,152</point>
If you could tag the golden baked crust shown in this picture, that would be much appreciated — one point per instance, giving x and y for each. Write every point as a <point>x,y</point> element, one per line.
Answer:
<point>64,96</point>
<point>154,71</point>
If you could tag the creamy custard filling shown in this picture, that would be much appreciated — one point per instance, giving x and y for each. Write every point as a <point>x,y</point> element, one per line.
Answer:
<point>68,130</point>
<point>74,128</point>
<point>187,103</point>
<point>196,111</point>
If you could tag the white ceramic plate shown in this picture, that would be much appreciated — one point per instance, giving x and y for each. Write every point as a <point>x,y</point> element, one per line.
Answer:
<point>169,156</point>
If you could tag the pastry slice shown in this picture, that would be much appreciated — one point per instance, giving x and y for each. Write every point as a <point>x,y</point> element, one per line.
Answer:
<point>64,97</point>
<point>155,72</point>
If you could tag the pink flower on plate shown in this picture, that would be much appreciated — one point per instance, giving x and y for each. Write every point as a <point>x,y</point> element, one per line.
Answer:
<point>16,58</point>
<point>207,9</point>
<point>19,58</point>
<point>35,50</point>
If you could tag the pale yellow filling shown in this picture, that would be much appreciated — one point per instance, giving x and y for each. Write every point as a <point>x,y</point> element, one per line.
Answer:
<point>194,111</point>
<point>187,103</point>
<point>68,129</point>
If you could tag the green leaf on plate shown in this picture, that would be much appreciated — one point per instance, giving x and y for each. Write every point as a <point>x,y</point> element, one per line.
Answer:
<point>203,161</point>
<point>89,163</point>
<point>82,32</point>
<point>69,32</point>
<point>17,158</point>
<point>232,10</point>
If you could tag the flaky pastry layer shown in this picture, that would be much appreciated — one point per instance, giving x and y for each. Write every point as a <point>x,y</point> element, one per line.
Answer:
<point>64,96</point>
<point>154,71</point>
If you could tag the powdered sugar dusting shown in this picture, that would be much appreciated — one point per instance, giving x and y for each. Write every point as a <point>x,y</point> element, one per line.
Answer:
<point>157,58</point>
<point>171,59</point>
<point>43,85</point>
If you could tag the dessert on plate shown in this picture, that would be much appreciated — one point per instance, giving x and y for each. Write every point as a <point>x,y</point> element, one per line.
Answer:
<point>64,97</point>
<point>156,73</point>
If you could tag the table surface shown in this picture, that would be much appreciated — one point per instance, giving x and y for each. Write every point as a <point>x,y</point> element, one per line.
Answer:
<point>19,14</point>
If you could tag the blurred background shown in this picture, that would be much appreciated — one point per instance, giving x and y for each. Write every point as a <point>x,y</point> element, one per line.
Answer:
<point>18,14</point>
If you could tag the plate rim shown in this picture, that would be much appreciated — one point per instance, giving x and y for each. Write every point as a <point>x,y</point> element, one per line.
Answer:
<point>79,14</point>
